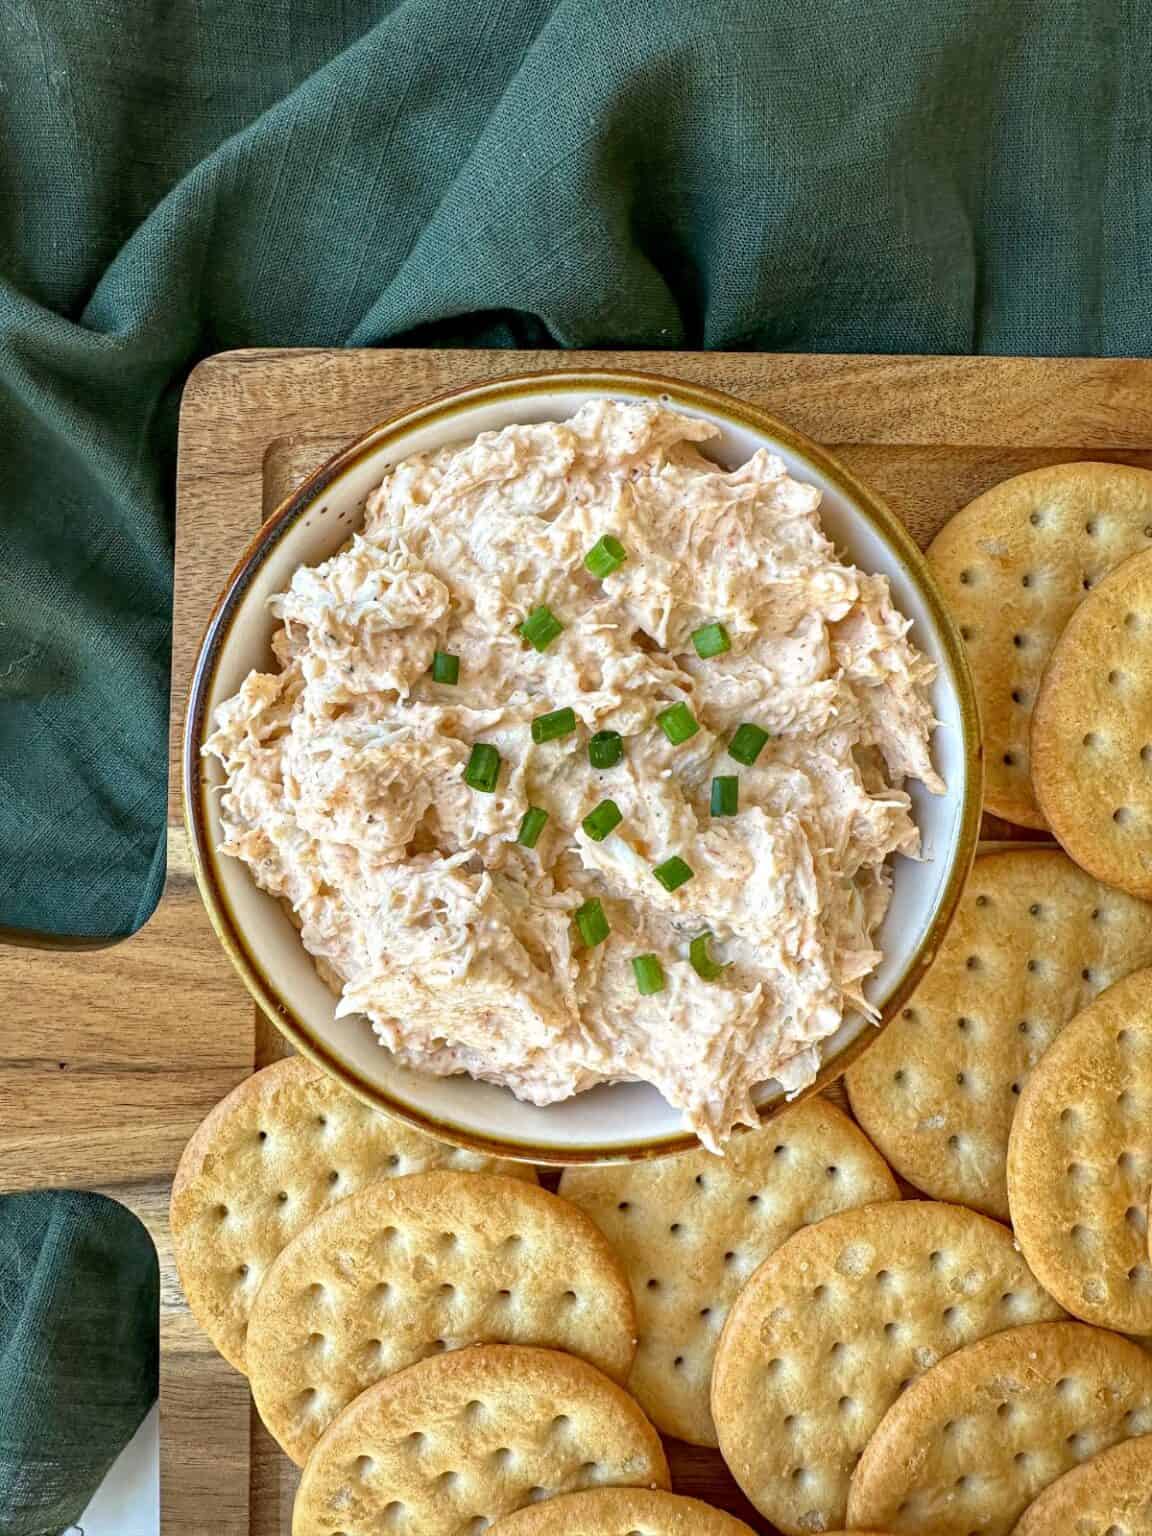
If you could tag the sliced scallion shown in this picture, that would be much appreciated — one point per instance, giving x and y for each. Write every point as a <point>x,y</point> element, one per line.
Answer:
<point>445,667</point>
<point>725,794</point>
<point>649,974</point>
<point>711,640</point>
<point>702,962</point>
<point>601,820</point>
<point>531,827</point>
<point>673,873</point>
<point>591,923</point>
<point>541,627</point>
<point>483,767</point>
<point>561,722</point>
<point>605,556</point>
<point>678,723</point>
<point>605,749</point>
<point>747,744</point>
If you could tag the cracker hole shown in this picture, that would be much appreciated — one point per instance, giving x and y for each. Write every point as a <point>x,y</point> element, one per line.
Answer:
<point>364,1466</point>
<point>1005,1410</point>
<point>832,1171</point>
<point>394,1512</point>
<point>447,1289</point>
<point>653,1284</point>
<point>1139,1274</point>
<point>477,1525</point>
<point>965,578</point>
<point>536,1494</point>
<point>948,1316</point>
<point>846,1405</point>
<point>966,631</point>
<point>753,1199</point>
<point>954,1143</point>
<point>1131,621</point>
<point>1087,582</point>
<point>560,1423</point>
<point>675,1228</point>
<point>899,1075</point>
<point>699,1181</point>
<point>504,1295</point>
<point>963,1024</point>
<point>1122,815</point>
<point>961,1080</point>
<point>282,1197</point>
<point>439,1346</point>
<point>730,1257</point>
<point>315,1290</point>
<point>1009,759</point>
<point>1019,641</point>
<point>221,1212</point>
<point>678,1362</point>
<point>241,1271</point>
<point>974,963</point>
<point>780,1149</point>
<point>775,1366</point>
<point>884,1277</point>
<point>447,1481</point>
<point>394,1160</point>
<point>935,1259</point>
<point>1124,1099</point>
<point>624,1205</point>
<point>1146,753</point>
<point>1015,1089</point>
<point>1033,965</point>
<point>568,1296</point>
<point>1024,1027</point>
<point>820,1293</point>
<point>1026,579</point>
<point>1126,1162</point>
<point>1115,677</point>
<point>502,1455</point>
<point>261,1136</point>
<point>1065,1386</point>
<point>474,1410</point>
<point>1019,696</point>
<point>891,1330</point>
<point>1090,739</point>
<point>837,1349</point>
<point>1021,1459</point>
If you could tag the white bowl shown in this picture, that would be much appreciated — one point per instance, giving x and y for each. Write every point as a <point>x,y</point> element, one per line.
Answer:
<point>613,1121</point>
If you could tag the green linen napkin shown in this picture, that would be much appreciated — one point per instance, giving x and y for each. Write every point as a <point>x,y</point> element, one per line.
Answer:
<point>182,176</point>
<point>79,1298</point>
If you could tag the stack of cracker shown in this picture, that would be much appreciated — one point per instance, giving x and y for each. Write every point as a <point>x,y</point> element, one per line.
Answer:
<point>442,1345</point>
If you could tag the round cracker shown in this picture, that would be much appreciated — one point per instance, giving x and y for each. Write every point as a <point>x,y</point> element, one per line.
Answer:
<point>282,1146</point>
<point>1080,1161</point>
<point>621,1512</point>
<point>834,1326</point>
<point>1033,941</point>
<point>971,1443</point>
<point>1111,1495</point>
<point>467,1437</point>
<point>691,1229</point>
<point>1092,732</point>
<point>1014,565</point>
<point>413,1266</point>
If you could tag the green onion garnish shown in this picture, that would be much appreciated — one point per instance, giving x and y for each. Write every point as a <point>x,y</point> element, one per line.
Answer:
<point>483,767</point>
<point>531,827</point>
<point>711,640</point>
<point>605,556</point>
<point>601,820</point>
<point>605,749</point>
<point>561,722</point>
<point>649,974</point>
<point>725,794</point>
<point>445,667</point>
<point>678,723</point>
<point>541,627</point>
<point>673,873</point>
<point>592,924</point>
<point>702,962</point>
<point>747,744</point>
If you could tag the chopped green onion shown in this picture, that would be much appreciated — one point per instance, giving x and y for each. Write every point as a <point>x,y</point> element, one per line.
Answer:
<point>605,749</point>
<point>711,640</point>
<point>678,723</point>
<point>445,667</point>
<point>601,820</point>
<point>561,722</point>
<point>593,925</point>
<point>702,962</point>
<point>649,974</point>
<point>673,873</point>
<point>531,827</point>
<point>541,627</point>
<point>747,744</point>
<point>483,768</point>
<point>605,556</point>
<point>725,794</point>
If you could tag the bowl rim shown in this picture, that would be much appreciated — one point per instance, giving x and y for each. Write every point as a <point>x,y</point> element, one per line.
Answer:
<point>444,406</point>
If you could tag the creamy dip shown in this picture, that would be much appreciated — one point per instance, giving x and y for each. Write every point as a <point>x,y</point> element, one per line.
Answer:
<point>347,770</point>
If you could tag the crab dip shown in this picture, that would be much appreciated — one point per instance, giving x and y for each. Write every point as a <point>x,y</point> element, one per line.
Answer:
<point>583,763</point>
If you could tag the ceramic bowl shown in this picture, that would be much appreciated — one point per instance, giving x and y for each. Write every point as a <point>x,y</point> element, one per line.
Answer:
<point>615,1121</point>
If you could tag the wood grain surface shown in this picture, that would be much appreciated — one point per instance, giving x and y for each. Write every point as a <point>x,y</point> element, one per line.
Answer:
<point>112,1055</point>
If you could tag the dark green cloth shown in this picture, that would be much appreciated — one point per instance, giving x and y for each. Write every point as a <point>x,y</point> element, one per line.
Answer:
<point>182,176</point>
<point>79,1298</point>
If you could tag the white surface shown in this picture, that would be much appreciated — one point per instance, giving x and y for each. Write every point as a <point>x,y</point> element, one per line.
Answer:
<point>127,1503</point>
<point>611,1119</point>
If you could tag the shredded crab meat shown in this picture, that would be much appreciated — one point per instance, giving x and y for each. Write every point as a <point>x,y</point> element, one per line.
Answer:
<point>344,770</point>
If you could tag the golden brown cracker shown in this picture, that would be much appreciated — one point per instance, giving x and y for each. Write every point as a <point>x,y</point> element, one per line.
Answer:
<point>1014,565</point>
<point>284,1145</point>
<point>1092,732</point>
<point>973,1441</point>
<point>450,1445</point>
<point>621,1512</point>
<point>1080,1161</point>
<point>412,1266</point>
<point>1034,940</point>
<point>690,1230</point>
<point>1111,1495</point>
<point>831,1328</point>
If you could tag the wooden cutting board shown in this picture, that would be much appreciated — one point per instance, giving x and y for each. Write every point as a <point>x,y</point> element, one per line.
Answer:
<point>111,1056</point>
